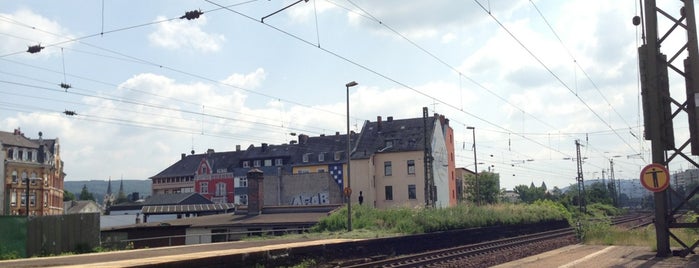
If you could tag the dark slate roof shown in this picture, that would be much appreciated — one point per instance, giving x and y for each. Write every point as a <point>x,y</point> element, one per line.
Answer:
<point>19,140</point>
<point>185,167</point>
<point>406,135</point>
<point>327,145</point>
<point>176,199</point>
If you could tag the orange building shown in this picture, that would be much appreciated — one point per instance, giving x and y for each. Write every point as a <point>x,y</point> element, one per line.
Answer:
<point>33,173</point>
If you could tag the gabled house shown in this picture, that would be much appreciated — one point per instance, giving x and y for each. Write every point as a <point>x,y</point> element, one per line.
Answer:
<point>406,162</point>
<point>32,172</point>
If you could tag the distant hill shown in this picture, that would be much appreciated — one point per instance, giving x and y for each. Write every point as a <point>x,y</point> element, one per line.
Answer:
<point>98,188</point>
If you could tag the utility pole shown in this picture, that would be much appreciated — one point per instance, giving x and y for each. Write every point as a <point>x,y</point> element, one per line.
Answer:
<point>658,105</point>
<point>580,180</point>
<point>615,198</point>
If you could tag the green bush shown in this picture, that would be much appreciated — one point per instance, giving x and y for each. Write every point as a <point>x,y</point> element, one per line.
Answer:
<point>421,220</point>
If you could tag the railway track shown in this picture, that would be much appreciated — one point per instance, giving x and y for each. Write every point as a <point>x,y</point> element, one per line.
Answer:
<point>442,257</point>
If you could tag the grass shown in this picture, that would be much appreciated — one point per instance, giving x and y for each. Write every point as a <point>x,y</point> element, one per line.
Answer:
<point>420,220</point>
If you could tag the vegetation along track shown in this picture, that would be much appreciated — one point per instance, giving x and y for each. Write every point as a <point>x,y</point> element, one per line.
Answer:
<point>462,256</point>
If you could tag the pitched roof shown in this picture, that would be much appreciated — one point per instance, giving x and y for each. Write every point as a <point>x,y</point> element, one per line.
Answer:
<point>176,199</point>
<point>327,145</point>
<point>187,166</point>
<point>19,140</point>
<point>403,134</point>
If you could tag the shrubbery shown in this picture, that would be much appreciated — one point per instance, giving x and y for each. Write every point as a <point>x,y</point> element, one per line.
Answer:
<point>420,220</point>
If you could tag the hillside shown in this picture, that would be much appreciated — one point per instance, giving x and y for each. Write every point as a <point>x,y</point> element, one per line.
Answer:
<point>98,188</point>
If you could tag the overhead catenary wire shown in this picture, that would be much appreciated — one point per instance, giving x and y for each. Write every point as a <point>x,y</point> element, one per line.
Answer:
<point>318,45</point>
<point>557,78</point>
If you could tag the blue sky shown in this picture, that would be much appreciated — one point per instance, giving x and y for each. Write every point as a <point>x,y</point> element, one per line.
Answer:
<point>526,74</point>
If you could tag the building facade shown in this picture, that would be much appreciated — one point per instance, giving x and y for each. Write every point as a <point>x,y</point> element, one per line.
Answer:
<point>395,163</point>
<point>406,162</point>
<point>33,175</point>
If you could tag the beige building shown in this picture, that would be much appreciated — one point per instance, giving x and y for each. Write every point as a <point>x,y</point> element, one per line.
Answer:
<point>34,167</point>
<point>404,163</point>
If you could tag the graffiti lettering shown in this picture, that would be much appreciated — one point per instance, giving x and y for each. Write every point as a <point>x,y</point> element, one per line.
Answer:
<point>310,199</point>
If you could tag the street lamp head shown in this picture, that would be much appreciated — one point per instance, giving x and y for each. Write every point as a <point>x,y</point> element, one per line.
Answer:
<point>351,84</point>
<point>470,128</point>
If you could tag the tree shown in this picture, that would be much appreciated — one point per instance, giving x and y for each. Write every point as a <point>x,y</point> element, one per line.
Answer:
<point>531,193</point>
<point>488,188</point>
<point>85,194</point>
<point>68,196</point>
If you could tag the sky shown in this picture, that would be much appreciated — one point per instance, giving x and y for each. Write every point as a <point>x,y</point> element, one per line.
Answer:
<point>531,78</point>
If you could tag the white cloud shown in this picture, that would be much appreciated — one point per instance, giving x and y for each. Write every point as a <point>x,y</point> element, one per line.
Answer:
<point>17,34</point>
<point>246,81</point>
<point>179,34</point>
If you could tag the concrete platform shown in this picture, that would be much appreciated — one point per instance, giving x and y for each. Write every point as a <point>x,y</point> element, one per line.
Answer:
<point>602,256</point>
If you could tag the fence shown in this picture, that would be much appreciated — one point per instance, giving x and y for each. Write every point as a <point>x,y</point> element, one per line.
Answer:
<point>119,241</point>
<point>49,235</point>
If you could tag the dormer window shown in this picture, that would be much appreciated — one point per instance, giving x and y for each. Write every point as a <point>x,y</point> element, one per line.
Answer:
<point>268,162</point>
<point>305,158</point>
<point>246,164</point>
<point>389,143</point>
<point>278,162</point>
<point>338,155</point>
<point>257,163</point>
<point>321,157</point>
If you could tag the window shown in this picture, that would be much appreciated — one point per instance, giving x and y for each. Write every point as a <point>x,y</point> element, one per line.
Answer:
<point>10,154</point>
<point>241,199</point>
<point>21,155</point>
<point>321,157</point>
<point>387,169</point>
<point>303,171</point>
<point>220,189</point>
<point>321,170</point>
<point>412,193</point>
<point>24,177</point>
<point>30,156</point>
<point>24,200</point>
<point>389,192</point>
<point>46,199</point>
<point>204,170</point>
<point>388,144</point>
<point>305,158</point>
<point>411,167</point>
<point>278,162</point>
<point>14,176</point>
<point>268,162</point>
<point>221,170</point>
<point>204,187</point>
<point>256,163</point>
<point>246,164</point>
<point>13,199</point>
<point>338,155</point>
<point>32,200</point>
<point>243,182</point>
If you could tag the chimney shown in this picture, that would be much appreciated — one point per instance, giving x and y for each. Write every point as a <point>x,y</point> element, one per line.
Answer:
<point>303,138</point>
<point>264,147</point>
<point>209,152</point>
<point>378,122</point>
<point>292,142</point>
<point>183,156</point>
<point>237,148</point>
<point>389,119</point>
<point>337,133</point>
<point>256,192</point>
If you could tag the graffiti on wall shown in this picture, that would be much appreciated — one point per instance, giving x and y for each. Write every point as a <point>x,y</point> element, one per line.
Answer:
<point>310,199</point>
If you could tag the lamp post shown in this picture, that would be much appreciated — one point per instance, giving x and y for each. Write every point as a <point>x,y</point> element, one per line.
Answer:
<point>349,147</point>
<point>475,165</point>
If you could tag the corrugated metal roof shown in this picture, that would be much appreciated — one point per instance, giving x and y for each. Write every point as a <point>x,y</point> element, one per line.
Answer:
<point>173,209</point>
